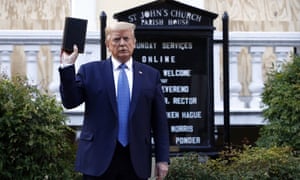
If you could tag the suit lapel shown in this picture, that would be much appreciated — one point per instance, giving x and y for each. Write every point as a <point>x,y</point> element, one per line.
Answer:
<point>137,83</point>
<point>108,78</point>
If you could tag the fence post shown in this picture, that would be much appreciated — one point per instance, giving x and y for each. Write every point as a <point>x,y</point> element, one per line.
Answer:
<point>102,35</point>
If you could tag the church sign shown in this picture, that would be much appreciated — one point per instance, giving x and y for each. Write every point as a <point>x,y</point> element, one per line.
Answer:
<point>177,39</point>
<point>164,17</point>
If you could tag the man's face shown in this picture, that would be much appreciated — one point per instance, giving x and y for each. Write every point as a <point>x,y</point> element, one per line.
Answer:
<point>121,44</point>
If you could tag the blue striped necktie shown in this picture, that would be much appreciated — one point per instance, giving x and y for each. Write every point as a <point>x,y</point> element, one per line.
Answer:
<point>123,98</point>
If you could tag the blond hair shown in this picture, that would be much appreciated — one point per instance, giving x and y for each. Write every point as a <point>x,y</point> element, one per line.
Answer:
<point>118,26</point>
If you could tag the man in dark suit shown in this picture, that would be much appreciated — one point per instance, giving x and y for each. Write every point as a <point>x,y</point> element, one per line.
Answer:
<point>115,141</point>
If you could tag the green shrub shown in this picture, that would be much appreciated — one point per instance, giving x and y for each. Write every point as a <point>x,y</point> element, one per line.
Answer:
<point>34,141</point>
<point>260,163</point>
<point>252,163</point>
<point>281,96</point>
<point>186,167</point>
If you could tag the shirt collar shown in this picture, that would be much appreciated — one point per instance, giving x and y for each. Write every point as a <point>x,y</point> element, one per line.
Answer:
<point>117,63</point>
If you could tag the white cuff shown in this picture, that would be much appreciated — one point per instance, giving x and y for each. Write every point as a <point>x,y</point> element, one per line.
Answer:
<point>65,65</point>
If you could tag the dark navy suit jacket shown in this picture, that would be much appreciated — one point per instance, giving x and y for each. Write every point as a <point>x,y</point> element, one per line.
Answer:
<point>94,85</point>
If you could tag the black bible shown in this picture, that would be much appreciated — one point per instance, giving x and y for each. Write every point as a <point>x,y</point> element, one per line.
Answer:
<point>74,33</point>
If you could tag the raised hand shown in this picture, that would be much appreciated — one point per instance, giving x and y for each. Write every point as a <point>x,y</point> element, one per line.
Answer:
<point>66,58</point>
